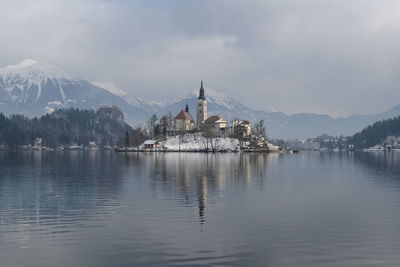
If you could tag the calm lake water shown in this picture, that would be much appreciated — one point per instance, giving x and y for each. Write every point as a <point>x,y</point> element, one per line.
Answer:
<point>179,209</point>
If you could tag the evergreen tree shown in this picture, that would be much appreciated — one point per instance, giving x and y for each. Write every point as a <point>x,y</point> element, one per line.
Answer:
<point>376,133</point>
<point>65,126</point>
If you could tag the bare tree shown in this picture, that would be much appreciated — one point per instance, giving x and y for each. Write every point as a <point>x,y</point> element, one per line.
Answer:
<point>127,141</point>
<point>209,131</point>
<point>204,143</point>
<point>138,136</point>
<point>260,128</point>
<point>152,124</point>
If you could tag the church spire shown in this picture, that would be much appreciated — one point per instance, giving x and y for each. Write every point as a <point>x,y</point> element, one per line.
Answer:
<point>201,107</point>
<point>201,95</point>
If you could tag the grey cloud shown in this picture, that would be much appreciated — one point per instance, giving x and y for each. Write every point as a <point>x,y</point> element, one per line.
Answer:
<point>338,57</point>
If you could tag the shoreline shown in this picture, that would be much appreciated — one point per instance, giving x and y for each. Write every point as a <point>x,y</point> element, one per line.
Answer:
<point>122,150</point>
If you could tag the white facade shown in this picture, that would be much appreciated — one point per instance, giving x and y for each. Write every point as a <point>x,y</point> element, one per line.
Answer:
<point>201,115</point>
<point>184,125</point>
<point>201,111</point>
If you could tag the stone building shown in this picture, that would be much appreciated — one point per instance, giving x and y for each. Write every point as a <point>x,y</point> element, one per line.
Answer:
<point>242,129</point>
<point>215,126</point>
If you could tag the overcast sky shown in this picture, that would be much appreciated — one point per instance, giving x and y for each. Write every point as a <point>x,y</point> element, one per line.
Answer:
<point>338,57</point>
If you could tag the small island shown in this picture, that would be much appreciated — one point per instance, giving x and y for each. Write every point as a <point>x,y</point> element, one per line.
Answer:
<point>207,134</point>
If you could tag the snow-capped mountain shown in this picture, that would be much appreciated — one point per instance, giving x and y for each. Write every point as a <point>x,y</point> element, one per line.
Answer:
<point>135,101</point>
<point>112,88</point>
<point>29,82</point>
<point>33,88</point>
<point>305,125</point>
<point>218,103</point>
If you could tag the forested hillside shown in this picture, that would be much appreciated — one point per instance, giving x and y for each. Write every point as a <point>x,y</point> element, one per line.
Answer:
<point>105,126</point>
<point>376,133</point>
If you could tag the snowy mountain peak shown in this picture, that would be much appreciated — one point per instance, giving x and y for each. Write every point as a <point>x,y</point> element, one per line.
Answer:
<point>217,98</point>
<point>132,100</point>
<point>35,71</point>
<point>208,93</point>
<point>112,88</point>
<point>23,63</point>
<point>32,87</point>
<point>25,82</point>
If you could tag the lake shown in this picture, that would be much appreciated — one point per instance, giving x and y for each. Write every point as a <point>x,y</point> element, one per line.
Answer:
<point>100,208</point>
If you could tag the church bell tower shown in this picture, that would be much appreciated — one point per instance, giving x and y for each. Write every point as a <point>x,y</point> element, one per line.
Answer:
<point>201,107</point>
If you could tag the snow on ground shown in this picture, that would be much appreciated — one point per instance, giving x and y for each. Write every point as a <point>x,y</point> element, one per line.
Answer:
<point>272,147</point>
<point>196,142</point>
<point>48,110</point>
<point>56,103</point>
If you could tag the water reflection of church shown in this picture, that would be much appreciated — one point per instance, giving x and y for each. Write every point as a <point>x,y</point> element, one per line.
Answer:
<point>201,178</point>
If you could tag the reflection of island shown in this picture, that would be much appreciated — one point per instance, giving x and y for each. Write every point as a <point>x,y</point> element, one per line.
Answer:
<point>378,162</point>
<point>380,168</point>
<point>200,178</point>
<point>43,186</point>
<point>35,184</point>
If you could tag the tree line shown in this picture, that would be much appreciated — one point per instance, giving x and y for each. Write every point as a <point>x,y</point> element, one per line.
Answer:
<point>376,133</point>
<point>65,126</point>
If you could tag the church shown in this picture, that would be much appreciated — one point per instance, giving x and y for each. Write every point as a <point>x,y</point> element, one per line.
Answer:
<point>213,126</point>
<point>202,124</point>
<point>184,122</point>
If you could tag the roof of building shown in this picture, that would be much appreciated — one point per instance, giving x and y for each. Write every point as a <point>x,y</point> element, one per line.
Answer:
<point>184,115</point>
<point>201,93</point>
<point>214,119</point>
<point>150,142</point>
<point>244,122</point>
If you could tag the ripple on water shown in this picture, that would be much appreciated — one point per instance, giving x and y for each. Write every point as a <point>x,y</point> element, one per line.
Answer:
<point>108,209</point>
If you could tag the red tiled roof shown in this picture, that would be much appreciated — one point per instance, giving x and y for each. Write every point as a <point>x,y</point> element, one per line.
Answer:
<point>184,115</point>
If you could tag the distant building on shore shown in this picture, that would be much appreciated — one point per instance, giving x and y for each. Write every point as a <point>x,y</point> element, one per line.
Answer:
<point>151,144</point>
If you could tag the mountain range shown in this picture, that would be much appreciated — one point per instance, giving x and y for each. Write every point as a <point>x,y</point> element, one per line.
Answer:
<point>33,88</point>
